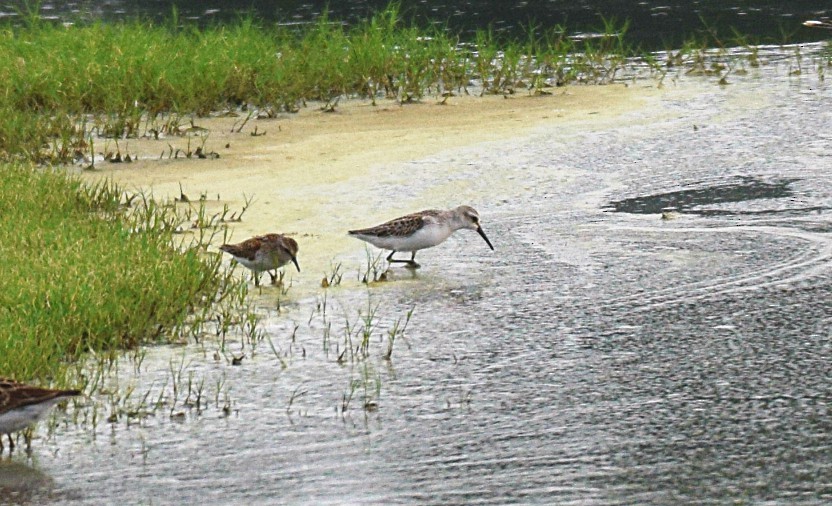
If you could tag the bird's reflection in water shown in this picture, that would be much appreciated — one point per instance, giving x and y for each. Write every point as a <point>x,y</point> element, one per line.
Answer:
<point>23,484</point>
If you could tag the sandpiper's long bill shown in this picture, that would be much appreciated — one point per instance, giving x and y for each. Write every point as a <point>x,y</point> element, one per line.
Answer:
<point>264,253</point>
<point>22,405</point>
<point>421,230</point>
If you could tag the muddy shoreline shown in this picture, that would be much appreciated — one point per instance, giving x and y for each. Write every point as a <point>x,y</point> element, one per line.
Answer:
<point>315,174</point>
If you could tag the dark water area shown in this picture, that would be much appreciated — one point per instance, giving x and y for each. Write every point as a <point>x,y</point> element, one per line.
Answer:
<point>653,25</point>
<point>701,199</point>
<point>747,188</point>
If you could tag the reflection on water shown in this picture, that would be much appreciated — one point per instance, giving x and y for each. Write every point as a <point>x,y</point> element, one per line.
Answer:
<point>594,358</point>
<point>22,484</point>
<point>654,25</point>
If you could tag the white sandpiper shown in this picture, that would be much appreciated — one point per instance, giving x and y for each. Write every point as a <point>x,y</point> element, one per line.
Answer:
<point>264,253</point>
<point>421,230</point>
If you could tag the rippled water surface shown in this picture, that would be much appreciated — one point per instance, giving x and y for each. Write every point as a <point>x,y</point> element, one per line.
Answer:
<point>602,354</point>
<point>653,24</point>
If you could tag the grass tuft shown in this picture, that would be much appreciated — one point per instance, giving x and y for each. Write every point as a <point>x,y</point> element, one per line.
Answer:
<point>64,85</point>
<point>85,272</point>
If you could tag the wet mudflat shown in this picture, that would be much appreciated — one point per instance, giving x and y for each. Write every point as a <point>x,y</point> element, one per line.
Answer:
<point>605,353</point>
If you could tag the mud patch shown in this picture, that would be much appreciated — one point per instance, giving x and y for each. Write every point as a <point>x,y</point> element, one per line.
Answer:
<point>697,200</point>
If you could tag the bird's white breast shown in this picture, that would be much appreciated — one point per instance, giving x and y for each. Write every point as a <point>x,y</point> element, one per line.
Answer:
<point>428,236</point>
<point>18,419</point>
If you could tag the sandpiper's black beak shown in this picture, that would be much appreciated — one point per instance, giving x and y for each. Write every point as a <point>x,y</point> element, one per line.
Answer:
<point>482,234</point>
<point>295,261</point>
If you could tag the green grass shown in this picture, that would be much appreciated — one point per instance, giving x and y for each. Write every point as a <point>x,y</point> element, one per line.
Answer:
<point>114,77</point>
<point>58,83</point>
<point>82,272</point>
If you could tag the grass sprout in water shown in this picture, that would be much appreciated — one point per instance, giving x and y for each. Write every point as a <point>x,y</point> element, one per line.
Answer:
<point>375,270</point>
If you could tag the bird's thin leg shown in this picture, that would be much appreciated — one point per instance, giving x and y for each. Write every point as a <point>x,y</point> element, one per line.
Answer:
<point>11,442</point>
<point>256,278</point>
<point>396,260</point>
<point>274,276</point>
<point>412,262</point>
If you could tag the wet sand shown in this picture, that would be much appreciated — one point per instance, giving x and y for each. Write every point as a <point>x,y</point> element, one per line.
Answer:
<point>316,175</point>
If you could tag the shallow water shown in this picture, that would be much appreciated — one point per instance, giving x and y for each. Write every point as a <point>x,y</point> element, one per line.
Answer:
<point>653,25</point>
<point>602,355</point>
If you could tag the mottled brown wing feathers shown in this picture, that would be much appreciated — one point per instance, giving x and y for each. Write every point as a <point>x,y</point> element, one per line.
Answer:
<point>15,395</point>
<point>246,249</point>
<point>399,227</point>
